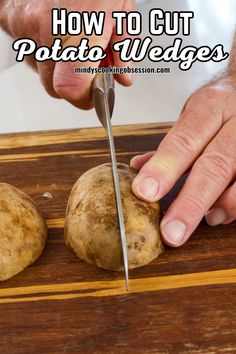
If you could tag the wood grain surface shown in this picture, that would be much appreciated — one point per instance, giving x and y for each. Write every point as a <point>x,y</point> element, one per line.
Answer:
<point>183,302</point>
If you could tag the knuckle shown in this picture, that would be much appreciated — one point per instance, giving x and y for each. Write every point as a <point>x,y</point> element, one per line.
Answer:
<point>216,166</point>
<point>189,104</point>
<point>233,194</point>
<point>74,94</point>
<point>4,18</point>
<point>226,141</point>
<point>228,202</point>
<point>32,14</point>
<point>204,99</point>
<point>194,206</point>
<point>8,23</point>
<point>183,143</point>
<point>66,86</point>
<point>193,102</point>
<point>68,91</point>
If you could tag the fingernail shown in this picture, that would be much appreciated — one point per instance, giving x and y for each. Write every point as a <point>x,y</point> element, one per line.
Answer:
<point>148,189</point>
<point>133,160</point>
<point>174,232</point>
<point>215,216</point>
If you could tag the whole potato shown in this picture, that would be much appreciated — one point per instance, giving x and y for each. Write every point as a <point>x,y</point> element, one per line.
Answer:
<point>91,226</point>
<point>23,232</point>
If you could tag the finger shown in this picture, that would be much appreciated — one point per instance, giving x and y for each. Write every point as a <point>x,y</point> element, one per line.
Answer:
<point>32,63</point>
<point>224,210</point>
<point>127,78</point>
<point>12,14</point>
<point>208,179</point>
<point>39,26</point>
<point>76,88</point>
<point>46,71</point>
<point>183,144</point>
<point>138,161</point>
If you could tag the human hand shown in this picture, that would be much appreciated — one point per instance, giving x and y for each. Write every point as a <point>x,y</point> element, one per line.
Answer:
<point>203,139</point>
<point>32,19</point>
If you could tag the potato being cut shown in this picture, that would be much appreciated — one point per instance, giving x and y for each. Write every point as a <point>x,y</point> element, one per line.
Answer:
<point>91,227</point>
<point>23,232</point>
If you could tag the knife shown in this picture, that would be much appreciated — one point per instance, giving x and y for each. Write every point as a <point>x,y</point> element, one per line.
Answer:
<point>103,94</point>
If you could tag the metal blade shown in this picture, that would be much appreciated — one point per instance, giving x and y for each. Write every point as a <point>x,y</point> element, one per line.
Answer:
<point>117,187</point>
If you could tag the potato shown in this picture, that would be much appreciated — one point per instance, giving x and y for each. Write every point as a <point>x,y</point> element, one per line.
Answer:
<point>23,232</point>
<point>91,226</point>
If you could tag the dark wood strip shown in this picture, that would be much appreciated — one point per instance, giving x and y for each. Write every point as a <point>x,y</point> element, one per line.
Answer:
<point>20,140</point>
<point>182,321</point>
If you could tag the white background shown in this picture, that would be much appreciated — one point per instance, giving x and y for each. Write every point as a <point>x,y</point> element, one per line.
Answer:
<point>153,98</point>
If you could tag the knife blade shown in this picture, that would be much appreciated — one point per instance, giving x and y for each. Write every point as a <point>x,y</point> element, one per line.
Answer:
<point>104,97</point>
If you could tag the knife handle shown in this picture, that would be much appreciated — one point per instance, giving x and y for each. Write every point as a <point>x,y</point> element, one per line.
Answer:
<point>104,84</point>
<point>108,61</point>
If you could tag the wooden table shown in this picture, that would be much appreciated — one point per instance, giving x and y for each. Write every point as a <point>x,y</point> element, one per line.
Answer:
<point>183,302</point>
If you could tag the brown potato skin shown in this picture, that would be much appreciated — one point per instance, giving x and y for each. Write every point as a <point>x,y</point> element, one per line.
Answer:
<point>91,225</point>
<point>23,232</point>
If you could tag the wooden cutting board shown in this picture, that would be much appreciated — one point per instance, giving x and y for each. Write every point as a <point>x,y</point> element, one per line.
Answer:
<point>183,302</point>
